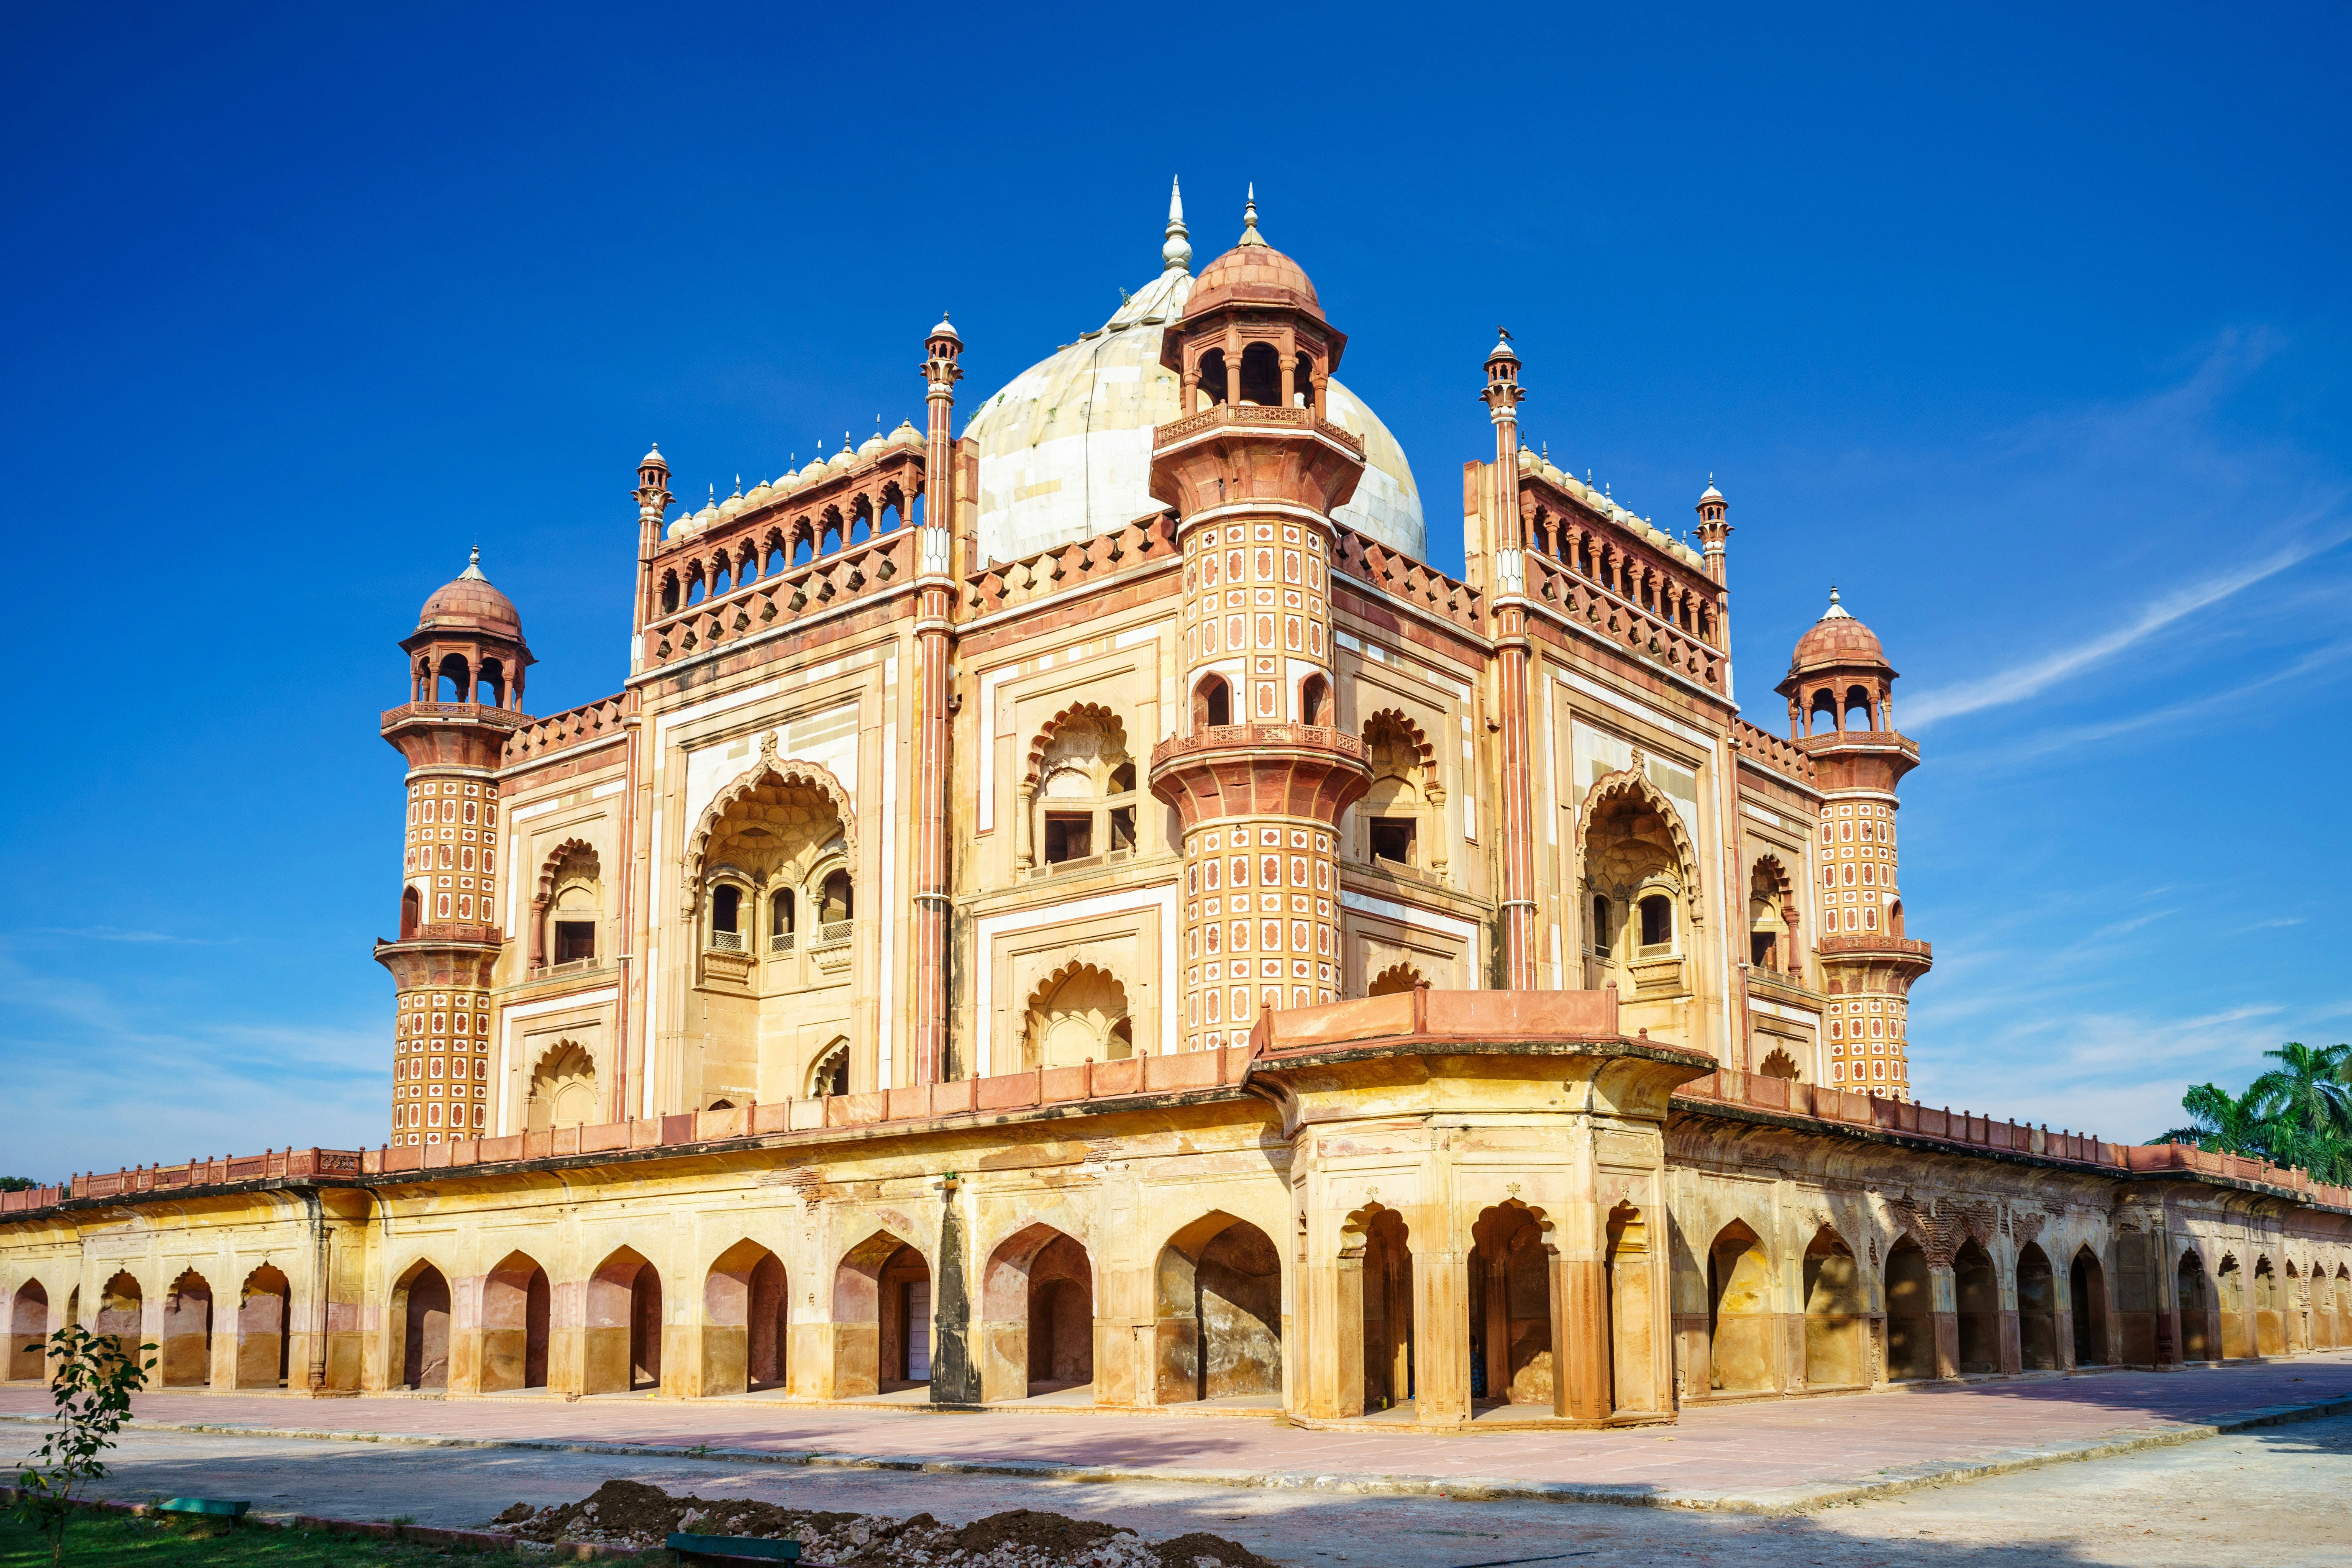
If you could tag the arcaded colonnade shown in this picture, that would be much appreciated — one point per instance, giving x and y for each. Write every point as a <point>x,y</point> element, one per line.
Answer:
<point>1478,1202</point>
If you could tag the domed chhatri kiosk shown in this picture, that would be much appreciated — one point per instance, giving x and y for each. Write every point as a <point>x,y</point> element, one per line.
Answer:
<point>1079,908</point>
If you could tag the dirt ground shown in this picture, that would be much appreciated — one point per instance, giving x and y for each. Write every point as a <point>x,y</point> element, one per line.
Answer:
<point>2281,1497</point>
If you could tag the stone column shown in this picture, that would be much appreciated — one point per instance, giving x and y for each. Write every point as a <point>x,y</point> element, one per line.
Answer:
<point>1943,1295</point>
<point>1440,1332</point>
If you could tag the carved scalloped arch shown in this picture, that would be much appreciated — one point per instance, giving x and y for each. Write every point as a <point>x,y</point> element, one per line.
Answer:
<point>1397,718</point>
<point>1625,780</point>
<point>556,857</point>
<point>781,770</point>
<point>1045,988</point>
<point>1054,726</point>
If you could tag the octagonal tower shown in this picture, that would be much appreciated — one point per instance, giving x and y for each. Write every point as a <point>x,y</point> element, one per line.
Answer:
<point>1259,772</point>
<point>1841,687</point>
<point>466,663</point>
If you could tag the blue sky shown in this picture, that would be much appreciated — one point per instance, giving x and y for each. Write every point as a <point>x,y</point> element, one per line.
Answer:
<point>2028,328</point>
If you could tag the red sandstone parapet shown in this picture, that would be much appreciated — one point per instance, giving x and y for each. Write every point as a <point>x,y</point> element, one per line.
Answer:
<point>585,725</point>
<point>1402,578</point>
<point>1659,640</point>
<point>1768,750</point>
<point>1822,1103</point>
<point>1470,1016</point>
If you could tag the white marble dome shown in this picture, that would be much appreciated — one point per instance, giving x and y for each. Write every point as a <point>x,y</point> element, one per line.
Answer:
<point>1066,446</point>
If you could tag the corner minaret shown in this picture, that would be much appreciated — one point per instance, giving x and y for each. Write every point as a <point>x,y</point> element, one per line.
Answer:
<point>1714,533</point>
<point>934,645</point>
<point>1258,771</point>
<point>466,663</point>
<point>1516,798</point>
<point>1840,688</point>
<point>653,501</point>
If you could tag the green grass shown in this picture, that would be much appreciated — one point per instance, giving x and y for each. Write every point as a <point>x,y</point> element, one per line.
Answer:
<point>107,1539</point>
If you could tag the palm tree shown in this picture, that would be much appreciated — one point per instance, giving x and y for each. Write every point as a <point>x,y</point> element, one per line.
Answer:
<point>2309,1090</point>
<point>2222,1123</point>
<point>2297,1114</point>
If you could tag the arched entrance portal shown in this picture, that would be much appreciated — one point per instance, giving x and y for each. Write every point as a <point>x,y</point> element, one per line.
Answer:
<point>2037,1312</point>
<point>515,1308</point>
<point>1510,1306</point>
<point>121,1305</point>
<point>420,1313</point>
<point>1384,1247</point>
<point>1218,1313</point>
<point>1037,1316</point>
<point>622,1343</point>
<point>1738,1313</point>
<point>2086,1285</point>
<point>1976,1291</point>
<point>882,1318</point>
<point>745,1325</point>
<point>2237,1324</point>
<point>1836,1315</point>
<point>1910,1314</point>
<point>263,1347</point>
<point>2270,1321</point>
<point>2195,1310</point>
<point>187,1348</point>
<point>29,1322</point>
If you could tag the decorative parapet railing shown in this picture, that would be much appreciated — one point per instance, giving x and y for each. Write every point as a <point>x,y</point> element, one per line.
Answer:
<point>1961,1129</point>
<point>866,569</point>
<point>1773,752</point>
<point>469,712</point>
<point>1005,1093</point>
<point>1003,585</point>
<point>1225,415</point>
<point>447,930</point>
<point>822,512</point>
<point>1600,540</point>
<point>1221,737</point>
<point>1640,633</point>
<point>584,725</point>
<point>1869,944</point>
<point>1467,1017</point>
<point>1401,577</point>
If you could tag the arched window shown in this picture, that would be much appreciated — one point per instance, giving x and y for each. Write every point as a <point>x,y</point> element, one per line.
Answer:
<point>780,921</point>
<point>490,685</point>
<point>836,909</point>
<point>412,913</point>
<point>1392,810</point>
<point>573,890</point>
<point>1314,702</point>
<point>456,681</point>
<point>726,917</point>
<point>830,1074</point>
<point>1212,703</point>
<point>1074,1016</point>
<point>1213,375</point>
<point>1261,376</point>
<point>1825,713</point>
<point>1657,925</point>
<point>1083,788</point>
<point>1858,706</point>
<point>1599,931</point>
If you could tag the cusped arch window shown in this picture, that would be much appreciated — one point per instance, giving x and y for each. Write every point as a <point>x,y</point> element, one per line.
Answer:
<point>1085,799</point>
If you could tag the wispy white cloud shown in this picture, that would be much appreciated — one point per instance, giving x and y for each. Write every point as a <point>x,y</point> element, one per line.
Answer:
<point>2318,534</point>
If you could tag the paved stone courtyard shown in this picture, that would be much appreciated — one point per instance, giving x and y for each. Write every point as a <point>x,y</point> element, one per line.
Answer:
<point>2280,1496</point>
<point>1772,1454</point>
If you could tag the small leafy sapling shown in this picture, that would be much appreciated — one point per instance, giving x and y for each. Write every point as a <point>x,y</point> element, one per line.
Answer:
<point>94,1379</point>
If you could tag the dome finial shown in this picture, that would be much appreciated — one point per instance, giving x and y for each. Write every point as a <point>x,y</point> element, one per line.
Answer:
<point>1836,612</point>
<point>1176,255</point>
<point>473,571</point>
<point>1250,235</point>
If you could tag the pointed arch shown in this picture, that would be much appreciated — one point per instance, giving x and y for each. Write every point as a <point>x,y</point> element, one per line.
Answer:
<point>517,1308</point>
<point>1629,786</point>
<point>29,1322</point>
<point>780,773</point>
<point>187,1337</point>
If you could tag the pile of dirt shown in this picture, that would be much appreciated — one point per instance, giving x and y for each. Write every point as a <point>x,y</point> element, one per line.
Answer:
<point>633,1514</point>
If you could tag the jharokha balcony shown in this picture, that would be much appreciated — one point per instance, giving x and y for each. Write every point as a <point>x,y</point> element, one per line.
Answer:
<point>1233,769</point>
